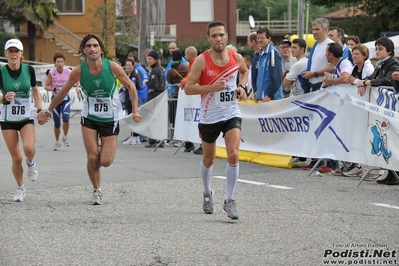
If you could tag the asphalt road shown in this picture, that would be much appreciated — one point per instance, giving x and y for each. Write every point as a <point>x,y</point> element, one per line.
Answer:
<point>152,213</point>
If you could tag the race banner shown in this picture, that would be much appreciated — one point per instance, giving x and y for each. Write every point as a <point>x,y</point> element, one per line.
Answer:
<point>309,125</point>
<point>155,118</point>
<point>187,117</point>
<point>75,102</point>
<point>382,147</point>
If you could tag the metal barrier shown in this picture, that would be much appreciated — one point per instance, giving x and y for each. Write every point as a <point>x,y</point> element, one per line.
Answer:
<point>172,109</point>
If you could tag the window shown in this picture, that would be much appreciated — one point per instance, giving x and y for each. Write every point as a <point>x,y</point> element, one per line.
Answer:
<point>201,10</point>
<point>70,6</point>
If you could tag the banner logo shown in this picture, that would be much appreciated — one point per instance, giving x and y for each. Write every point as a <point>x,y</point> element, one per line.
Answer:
<point>17,85</point>
<point>326,116</point>
<point>380,139</point>
<point>97,82</point>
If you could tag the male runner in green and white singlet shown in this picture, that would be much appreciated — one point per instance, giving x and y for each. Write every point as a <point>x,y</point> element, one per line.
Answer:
<point>101,106</point>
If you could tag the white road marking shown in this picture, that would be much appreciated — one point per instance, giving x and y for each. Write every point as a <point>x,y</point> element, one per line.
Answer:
<point>386,205</point>
<point>255,183</point>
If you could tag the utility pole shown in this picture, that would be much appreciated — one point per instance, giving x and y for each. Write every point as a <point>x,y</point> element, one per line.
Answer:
<point>143,30</point>
<point>300,19</point>
<point>289,17</point>
<point>268,16</point>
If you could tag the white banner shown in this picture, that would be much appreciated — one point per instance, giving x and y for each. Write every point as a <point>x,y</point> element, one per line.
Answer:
<point>155,118</point>
<point>76,102</point>
<point>331,123</point>
<point>383,131</point>
<point>187,117</point>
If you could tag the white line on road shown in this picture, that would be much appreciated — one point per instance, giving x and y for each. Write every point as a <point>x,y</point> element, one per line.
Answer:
<point>385,205</point>
<point>255,183</point>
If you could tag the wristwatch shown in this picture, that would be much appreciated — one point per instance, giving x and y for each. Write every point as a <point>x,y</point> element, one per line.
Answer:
<point>242,86</point>
<point>364,83</point>
<point>38,110</point>
<point>316,74</point>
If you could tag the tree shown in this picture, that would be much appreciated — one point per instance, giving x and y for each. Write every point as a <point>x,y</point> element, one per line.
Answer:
<point>116,27</point>
<point>36,14</point>
<point>279,10</point>
<point>376,16</point>
<point>4,37</point>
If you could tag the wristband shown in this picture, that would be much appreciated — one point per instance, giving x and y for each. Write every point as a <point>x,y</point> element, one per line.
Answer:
<point>38,110</point>
<point>364,83</point>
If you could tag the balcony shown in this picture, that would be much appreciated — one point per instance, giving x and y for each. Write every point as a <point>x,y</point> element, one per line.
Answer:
<point>277,27</point>
<point>163,33</point>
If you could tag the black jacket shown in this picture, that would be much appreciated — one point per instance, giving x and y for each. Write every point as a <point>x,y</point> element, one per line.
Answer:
<point>156,81</point>
<point>382,75</point>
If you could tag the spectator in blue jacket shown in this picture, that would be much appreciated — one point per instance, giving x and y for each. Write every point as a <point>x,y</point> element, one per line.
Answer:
<point>269,80</point>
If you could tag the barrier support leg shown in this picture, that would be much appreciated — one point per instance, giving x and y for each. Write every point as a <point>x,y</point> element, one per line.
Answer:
<point>316,165</point>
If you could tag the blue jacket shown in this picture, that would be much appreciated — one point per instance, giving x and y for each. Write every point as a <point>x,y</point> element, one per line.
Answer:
<point>254,71</point>
<point>347,53</point>
<point>269,80</point>
<point>142,92</point>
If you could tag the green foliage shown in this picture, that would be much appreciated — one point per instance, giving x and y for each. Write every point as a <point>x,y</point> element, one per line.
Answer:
<point>377,16</point>
<point>34,13</point>
<point>279,9</point>
<point>4,37</point>
<point>110,27</point>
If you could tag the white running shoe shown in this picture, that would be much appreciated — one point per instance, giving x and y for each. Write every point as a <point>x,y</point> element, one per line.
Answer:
<point>137,139</point>
<point>32,171</point>
<point>96,197</point>
<point>130,141</point>
<point>355,171</point>
<point>19,195</point>
<point>57,146</point>
<point>66,141</point>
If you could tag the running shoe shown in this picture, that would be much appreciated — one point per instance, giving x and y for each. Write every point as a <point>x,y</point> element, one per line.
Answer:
<point>19,195</point>
<point>325,169</point>
<point>198,151</point>
<point>337,171</point>
<point>32,171</point>
<point>130,141</point>
<point>355,171</point>
<point>66,141</point>
<point>96,197</point>
<point>229,207</point>
<point>137,140</point>
<point>308,167</point>
<point>207,206</point>
<point>57,146</point>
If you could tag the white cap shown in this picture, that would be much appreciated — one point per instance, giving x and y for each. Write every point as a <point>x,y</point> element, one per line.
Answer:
<point>14,43</point>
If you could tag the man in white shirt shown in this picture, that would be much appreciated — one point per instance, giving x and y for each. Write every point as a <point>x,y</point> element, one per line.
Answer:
<point>342,67</point>
<point>287,60</point>
<point>318,63</point>
<point>291,80</point>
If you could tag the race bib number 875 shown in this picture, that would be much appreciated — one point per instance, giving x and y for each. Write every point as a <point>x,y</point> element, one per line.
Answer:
<point>100,107</point>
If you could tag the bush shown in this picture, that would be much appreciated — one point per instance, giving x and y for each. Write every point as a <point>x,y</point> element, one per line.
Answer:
<point>4,37</point>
